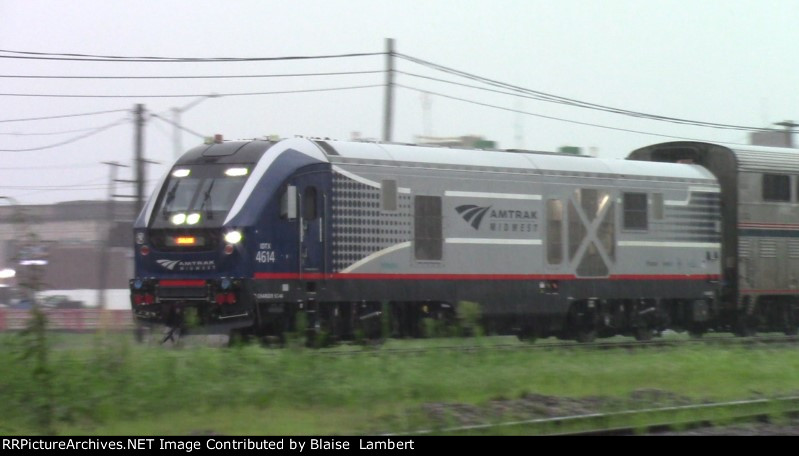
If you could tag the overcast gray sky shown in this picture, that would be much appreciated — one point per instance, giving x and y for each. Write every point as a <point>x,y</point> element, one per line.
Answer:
<point>721,61</point>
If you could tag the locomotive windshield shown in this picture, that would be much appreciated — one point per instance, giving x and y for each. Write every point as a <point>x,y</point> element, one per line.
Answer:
<point>198,195</point>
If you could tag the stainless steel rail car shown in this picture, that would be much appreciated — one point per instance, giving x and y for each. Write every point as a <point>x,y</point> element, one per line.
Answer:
<point>760,225</point>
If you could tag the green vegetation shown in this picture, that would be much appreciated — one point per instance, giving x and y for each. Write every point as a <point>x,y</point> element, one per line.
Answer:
<point>105,384</point>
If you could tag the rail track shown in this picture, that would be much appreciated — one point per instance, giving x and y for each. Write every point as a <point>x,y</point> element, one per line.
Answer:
<point>754,341</point>
<point>89,320</point>
<point>490,343</point>
<point>651,421</point>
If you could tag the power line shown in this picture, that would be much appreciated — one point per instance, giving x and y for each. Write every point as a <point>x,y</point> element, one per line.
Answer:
<point>71,140</point>
<point>51,133</point>
<point>181,127</point>
<point>65,166</point>
<point>465,100</point>
<point>64,116</point>
<point>149,59</point>
<point>280,92</point>
<point>237,76</point>
<point>56,187</point>
<point>92,184</point>
<point>84,184</point>
<point>529,97</point>
<point>574,102</point>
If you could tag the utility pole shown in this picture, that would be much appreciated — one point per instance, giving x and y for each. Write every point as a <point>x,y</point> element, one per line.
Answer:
<point>427,103</point>
<point>105,241</point>
<point>138,159</point>
<point>389,98</point>
<point>177,135</point>
<point>788,124</point>
<point>519,126</point>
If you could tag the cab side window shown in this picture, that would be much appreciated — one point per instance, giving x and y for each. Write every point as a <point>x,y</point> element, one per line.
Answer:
<point>635,211</point>
<point>309,204</point>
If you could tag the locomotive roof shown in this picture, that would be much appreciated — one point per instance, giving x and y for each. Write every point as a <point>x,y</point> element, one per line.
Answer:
<point>530,162</point>
<point>344,153</point>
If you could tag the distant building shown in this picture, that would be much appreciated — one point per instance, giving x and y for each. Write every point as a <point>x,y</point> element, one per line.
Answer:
<point>67,243</point>
<point>570,150</point>
<point>775,138</point>
<point>466,142</point>
<point>769,138</point>
<point>356,136</point>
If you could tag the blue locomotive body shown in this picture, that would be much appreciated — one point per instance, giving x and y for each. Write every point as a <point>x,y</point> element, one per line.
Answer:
<point>249,234</point>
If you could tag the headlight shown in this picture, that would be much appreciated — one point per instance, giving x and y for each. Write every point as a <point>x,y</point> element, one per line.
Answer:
<point>178,219</point>
<point>233,237</point>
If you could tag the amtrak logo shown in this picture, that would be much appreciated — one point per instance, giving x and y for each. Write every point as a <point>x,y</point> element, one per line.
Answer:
<point>506,220</point>
<point>181,265</point>
<point>472,214</point>
<point>168,264</point>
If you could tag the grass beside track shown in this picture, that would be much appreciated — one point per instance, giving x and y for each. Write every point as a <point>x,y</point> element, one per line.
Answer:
<point>107,385</point>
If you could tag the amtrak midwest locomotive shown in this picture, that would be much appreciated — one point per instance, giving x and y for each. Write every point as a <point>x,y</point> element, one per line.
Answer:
<point>247,235</point>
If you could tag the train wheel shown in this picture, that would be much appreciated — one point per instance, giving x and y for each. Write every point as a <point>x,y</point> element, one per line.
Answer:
<point>139,332</point>
<point>526,335</point>
<point>696,332</point>
<point>789,319</point>
<point>240,337</point>
<point>369,318</point>
<point>585,335</point>
<point>643,333</point>
<point>745,329</point>
<point>583,321</point>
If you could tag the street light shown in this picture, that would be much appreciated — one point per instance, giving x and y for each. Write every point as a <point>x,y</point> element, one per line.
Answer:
<point>177,137</point>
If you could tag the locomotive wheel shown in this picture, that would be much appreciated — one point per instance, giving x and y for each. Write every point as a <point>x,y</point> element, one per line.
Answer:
<point>139,333</point>
<point>746,327</point>
<point>526,335</point>
<point>643,333</point>
<point>789,318</point>
<point>585,335</point>
<point>696,330</point>
<point>745,330</point>
<point>239,337</point>
<point>696,333</point>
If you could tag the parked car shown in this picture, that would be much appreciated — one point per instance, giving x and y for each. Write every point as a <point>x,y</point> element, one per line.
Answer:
<point>60,302</point>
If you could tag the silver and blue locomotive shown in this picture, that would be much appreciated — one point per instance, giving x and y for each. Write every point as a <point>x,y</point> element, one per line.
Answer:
<point>355,236</point>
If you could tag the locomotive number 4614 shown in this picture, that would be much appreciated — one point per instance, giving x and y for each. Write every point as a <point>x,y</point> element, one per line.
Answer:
<point>265,256</point>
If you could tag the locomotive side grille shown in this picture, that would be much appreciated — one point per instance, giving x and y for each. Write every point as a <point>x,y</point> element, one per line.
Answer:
<point>360,227</point>
<point>768,248</point>
<point>793,249</point>
<point>744,248</point>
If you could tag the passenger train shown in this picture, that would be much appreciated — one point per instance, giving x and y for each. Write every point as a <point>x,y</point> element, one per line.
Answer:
<point>358,238</point>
